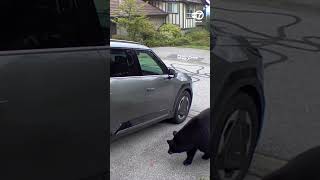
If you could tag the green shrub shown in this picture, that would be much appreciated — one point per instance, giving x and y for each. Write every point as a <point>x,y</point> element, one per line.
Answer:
<point>153,43</point>
<point>181,41</point>
<point>198,33</point>
<point>170,31</point>
<point>121,37</point>
<point>199,37</point>
<point>148,30</point>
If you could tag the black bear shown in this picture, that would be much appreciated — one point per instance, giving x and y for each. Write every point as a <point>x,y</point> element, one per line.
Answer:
<point>303,167</point>
<point>195,135</point>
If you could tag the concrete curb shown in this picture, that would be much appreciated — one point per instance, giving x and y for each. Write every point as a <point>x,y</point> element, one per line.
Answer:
<point>264,164</point>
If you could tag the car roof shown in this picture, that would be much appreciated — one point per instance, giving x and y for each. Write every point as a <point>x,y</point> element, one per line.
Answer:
<point>114,43</point>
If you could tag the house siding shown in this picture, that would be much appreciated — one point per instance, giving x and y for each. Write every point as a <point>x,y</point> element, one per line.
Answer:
<point>181,15</point>
<point>179,18</point>
<point>157,21</point>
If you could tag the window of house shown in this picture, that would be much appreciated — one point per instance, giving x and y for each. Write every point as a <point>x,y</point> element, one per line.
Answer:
<point>172,7</point>
<point>189,10</point>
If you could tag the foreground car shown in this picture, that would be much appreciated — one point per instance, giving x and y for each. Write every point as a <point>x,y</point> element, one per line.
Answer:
<point>238,105</point>
<point>53,103</point>
<point>143,90</point>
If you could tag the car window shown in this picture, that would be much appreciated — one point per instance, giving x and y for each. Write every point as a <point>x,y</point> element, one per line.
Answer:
<point>42,24</point>
<point>122,64</point>
<point>148,63</point>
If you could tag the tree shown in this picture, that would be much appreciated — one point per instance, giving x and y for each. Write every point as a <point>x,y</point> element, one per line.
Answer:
<point>134,21</point>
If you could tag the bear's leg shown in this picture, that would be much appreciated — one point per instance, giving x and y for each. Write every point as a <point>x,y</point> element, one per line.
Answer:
<point>206,156</point>
<point>190,155</point>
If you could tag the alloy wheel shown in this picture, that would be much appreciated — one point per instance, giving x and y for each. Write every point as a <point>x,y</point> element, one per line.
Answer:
<point>183,107</point>
<point>234,145</point>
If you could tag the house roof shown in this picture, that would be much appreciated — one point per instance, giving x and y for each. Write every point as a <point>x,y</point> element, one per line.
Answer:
<point>148,9</point>
<point>196,1</point>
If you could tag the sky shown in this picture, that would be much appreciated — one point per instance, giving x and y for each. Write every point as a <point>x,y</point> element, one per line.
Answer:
<point>208,8</point>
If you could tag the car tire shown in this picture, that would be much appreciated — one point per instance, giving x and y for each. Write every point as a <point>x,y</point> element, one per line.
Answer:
<point>182,107</point>
<point>234,137</point>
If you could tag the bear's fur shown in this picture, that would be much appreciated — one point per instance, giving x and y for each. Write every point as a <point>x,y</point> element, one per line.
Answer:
<point>195,135</point>
<point>303,167</point>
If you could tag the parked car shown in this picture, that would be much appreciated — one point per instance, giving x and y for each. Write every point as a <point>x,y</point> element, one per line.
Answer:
<point>143,90</point>
<point>53,119</point>
<point>238,105</point>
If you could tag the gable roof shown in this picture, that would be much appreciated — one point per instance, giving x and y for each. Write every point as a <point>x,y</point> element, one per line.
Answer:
<point>195,1</point>
<point>148,9</point>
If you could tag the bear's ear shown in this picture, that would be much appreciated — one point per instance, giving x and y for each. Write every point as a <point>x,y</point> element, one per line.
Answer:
<point>174,133</point>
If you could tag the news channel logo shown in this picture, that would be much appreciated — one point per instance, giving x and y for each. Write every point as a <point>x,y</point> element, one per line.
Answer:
<point>198,16</point>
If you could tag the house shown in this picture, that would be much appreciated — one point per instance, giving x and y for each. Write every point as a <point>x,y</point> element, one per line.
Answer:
<point>178,12</point>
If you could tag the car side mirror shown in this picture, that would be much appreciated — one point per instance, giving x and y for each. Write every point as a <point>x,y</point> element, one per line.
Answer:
<point>171,73</point>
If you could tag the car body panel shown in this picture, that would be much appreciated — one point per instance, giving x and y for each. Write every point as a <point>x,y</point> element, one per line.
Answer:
<point>147,98</point>
<point>238,66</point>
<point>138,101</point>
<point>53,102</point>
<point>55,116</point>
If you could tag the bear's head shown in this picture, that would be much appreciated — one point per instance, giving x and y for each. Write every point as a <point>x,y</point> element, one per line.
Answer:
<point>178,144</point>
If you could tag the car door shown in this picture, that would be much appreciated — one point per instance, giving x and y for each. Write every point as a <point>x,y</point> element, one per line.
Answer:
<point>127,93</point>
<point>52,92</point>
<point>158,86</point>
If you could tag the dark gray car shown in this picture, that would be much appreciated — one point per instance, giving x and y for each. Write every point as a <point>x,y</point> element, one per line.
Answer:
<point>143,90</point>
<point>53,102</point>
<point>238,105</point>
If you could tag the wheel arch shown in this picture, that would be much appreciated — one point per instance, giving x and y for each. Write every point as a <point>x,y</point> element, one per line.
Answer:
<point>247,83</point>
<point>184,87</point>
<point>254,93</point>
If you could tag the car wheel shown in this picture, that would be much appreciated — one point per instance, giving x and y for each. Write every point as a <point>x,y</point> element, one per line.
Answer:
<point>234,137</point>
<point>182,107</point>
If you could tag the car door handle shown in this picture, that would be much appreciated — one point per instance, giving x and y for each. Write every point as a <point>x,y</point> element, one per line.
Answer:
<point>150,89</point>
